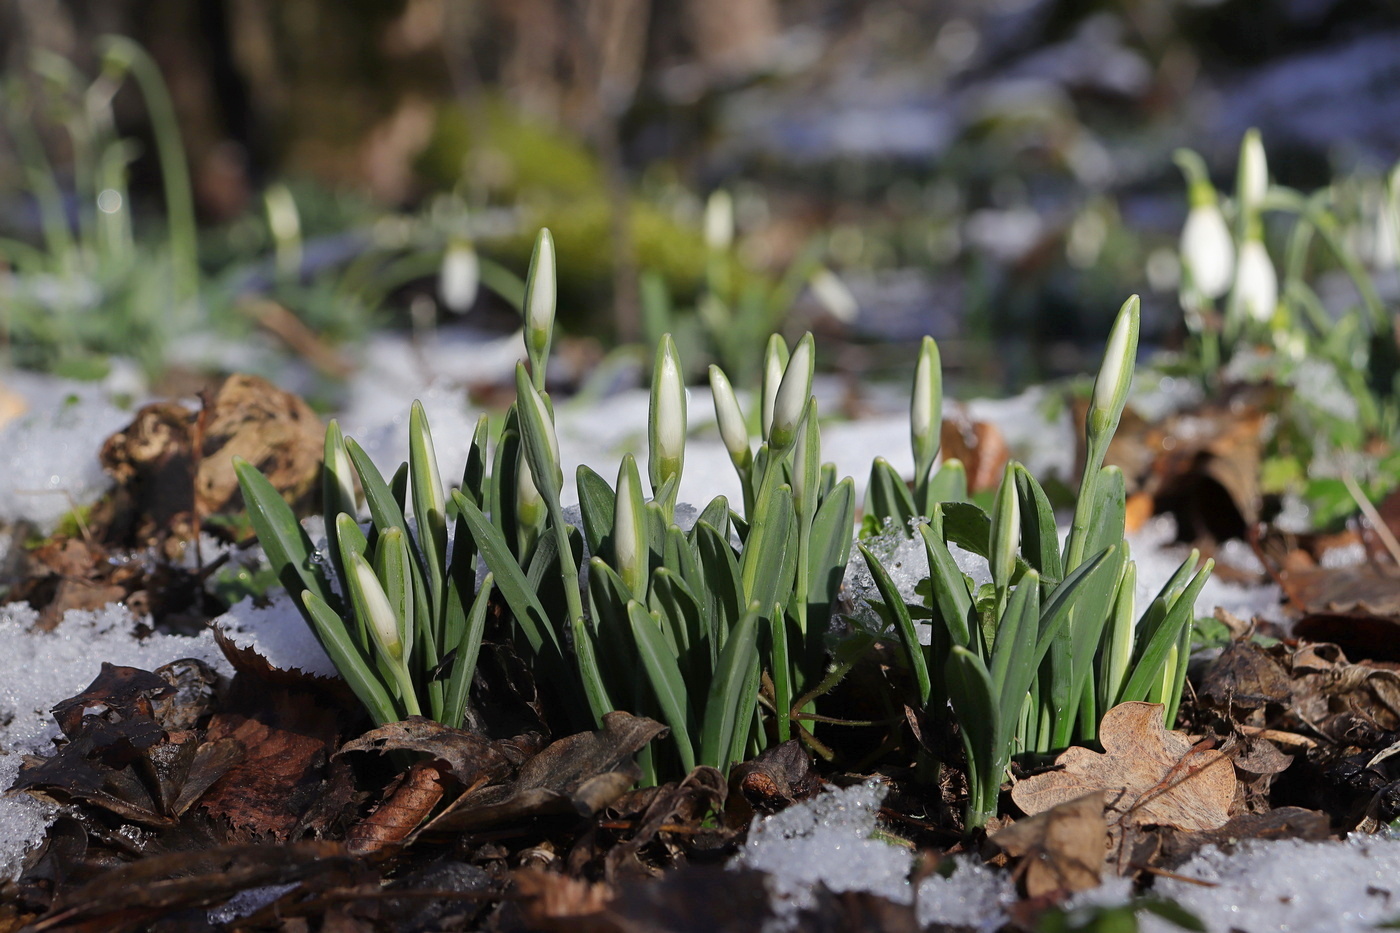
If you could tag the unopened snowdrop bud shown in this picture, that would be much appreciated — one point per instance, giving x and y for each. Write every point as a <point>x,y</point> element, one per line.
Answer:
<point>460,277</point>
<point>793,392</point>
<point>1006,529</point>
<point>833,294</point>
<point>775,357</point>
<point>719,221</point>
<point>383,624</point>
<point>666,427</point>
<point>1256,282</point>
<point>538,412</point>
<point>1116,372</point>
<point>284,222</point>
<point>529,504</point>
<point>926,408</point>
<point>1253,182</point>
<point>337,484</point>
<point>629,529</point>
<point>540,297</point>
<point>732,429</point>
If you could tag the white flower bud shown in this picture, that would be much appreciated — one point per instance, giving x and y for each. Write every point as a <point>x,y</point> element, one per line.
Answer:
<point>1116,371</point>
<point>460,277</point>
<point>1256,282</point>
<point>775,357</point>
<point>833,294</point>
<point>540,298</point>
<point>1006,528</point>
<point>732,429</point>
<point>383,623</point>
<point>1253,182</point>
<point>667,422</point>
<point>926,407</point>
<point>719,221</point>
<point>1208,250</point>
<point>793,392</point>
<point>629,530</point>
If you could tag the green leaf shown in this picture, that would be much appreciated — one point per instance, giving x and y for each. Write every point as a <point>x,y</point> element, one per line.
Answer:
<point>1040,537</point>
<point>288,547</point>
<point>510,580</point>
<point>723,591</point>
<point>908,635</point>
<point>1148,665</point>
<point>725,710</point>
<point>973,697</point>
<point>429,508</point>
<point>665,677</point>
<point>948,484</point>
<point>465,655</point>
<point>596,502</point>
<point>969,527</point>
<point>830,548</point>
<point>1014,663</point>
<point>1106,521</point>
<point>716,515</point>
<point>348,661</point>
<point>768,564</point>
<point>952,597</point>
<point>888,498</point>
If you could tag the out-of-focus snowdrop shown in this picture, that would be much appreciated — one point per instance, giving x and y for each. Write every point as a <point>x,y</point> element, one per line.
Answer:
<point>460,277</point>
<point>1256,282</point>
<point>1207,248</point>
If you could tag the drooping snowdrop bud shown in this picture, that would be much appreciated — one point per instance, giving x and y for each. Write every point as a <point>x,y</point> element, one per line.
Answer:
<point>791,400</point>
<point>1115,373</point>
<point>833,294</point>
<point>383,624</point>
<point>775,358</point>
<point>1006,529</point>
<point>1207,248</point>
<point>459,279</point>
<point>1256,282</point>
<point>540,298</point>
<point>926,408</point>
<point>732,429</point>
<point>284,222</point>
<point>719,221</point>
<point>666,427</point>
<point>630,554</point>
<point>1253,181</point>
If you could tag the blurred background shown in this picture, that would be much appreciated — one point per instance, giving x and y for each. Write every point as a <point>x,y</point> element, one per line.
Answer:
<point>237,173</point>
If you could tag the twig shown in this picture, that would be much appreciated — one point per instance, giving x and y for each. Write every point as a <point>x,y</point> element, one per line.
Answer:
<point>1374,517</point>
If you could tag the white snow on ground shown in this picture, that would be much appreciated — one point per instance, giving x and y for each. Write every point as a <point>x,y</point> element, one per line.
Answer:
<point>38,670</point>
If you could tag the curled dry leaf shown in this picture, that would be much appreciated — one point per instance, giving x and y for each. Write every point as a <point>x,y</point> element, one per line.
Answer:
<point>1064,847</point>
<point>407,803</point>
<point>1149,776</point>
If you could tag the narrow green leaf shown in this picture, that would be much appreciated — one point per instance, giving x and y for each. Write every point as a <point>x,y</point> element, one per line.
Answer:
<point>348,661</point>
<point>465,656</point>
<point>768,563</point>
<point>951,595</point>
<point>1147,667</point>
<point>888,498</point>
<point>510,579</point>
<point>596,502</point>
<point>288,547</point>
<point>1040,537</point>
<point>665,677</point>
<point>1106,521</point>
<point>948,484</point>
<point>727,691</point>
<point>832,531</point>
<point>908,635</point>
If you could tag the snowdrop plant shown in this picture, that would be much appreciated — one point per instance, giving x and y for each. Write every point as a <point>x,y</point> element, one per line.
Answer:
<point>1028,661</point>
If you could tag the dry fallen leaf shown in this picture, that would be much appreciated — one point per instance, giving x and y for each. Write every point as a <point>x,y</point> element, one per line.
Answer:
<point>1064,847</point>
<point>1149,776</point>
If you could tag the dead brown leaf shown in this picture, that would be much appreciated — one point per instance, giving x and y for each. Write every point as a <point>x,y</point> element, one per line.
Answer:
<point>1149,776</point>
<point>1063,848</point>
<point>579,774</point>
<point>980,446</point>
<point>468,756</point>
<point>1244,678</point>
<point>407,802</point>
<point>1355,607</point>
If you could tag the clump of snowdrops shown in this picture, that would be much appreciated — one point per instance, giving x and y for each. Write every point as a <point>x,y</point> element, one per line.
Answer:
<point>725,621</point>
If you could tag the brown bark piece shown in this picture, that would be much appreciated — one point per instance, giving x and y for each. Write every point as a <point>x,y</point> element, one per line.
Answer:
<point>1064,847</point>
<point>1149,776</point>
